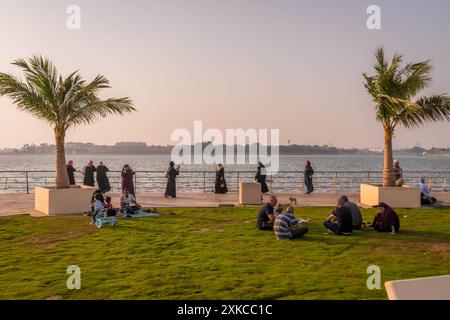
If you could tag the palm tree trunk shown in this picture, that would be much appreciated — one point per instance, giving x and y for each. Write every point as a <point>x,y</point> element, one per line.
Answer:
<point>62,179</point>
<point>388,174</point>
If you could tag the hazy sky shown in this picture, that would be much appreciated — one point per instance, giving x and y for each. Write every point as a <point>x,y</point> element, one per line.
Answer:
<point>292,65</point>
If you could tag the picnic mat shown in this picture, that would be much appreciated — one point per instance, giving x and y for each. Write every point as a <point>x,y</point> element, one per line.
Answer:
<point>142,214</point>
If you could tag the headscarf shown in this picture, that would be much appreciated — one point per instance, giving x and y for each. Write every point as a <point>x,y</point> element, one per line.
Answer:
<point>308,165</point>
<point>389,217</point>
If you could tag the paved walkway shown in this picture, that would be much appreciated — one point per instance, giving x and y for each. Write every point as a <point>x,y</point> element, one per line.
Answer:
<point>23,204</point>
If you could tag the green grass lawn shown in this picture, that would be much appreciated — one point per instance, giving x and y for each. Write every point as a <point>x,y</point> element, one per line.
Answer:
<point>213,254</point>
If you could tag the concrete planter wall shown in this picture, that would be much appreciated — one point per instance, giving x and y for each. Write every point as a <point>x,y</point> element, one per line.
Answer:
<point>249,193</point>
<point>395,197</point>
<point>432,288</point>
<point>52,201</point>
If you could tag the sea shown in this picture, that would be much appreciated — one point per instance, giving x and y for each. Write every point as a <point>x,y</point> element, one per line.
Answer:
<point>334,173</point>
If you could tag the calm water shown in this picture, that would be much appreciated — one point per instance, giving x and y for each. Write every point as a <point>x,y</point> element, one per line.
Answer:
<point>287,163</point>
<point>415,167</point>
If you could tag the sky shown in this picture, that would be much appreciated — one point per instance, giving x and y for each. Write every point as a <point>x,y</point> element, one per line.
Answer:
<point>290,65</point>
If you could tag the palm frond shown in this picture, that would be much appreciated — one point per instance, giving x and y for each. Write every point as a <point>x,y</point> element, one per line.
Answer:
<point>381,65</point>
<point>25,97</point>
<point>93,109</point>
<point>393,89</point>
<point>415,78</point>
<point>41,74</point>
<point>64,102</point>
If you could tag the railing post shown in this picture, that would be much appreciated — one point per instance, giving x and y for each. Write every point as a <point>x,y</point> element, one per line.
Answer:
<point>368,177</point>
<point>335,181</point>
<point>135,182</point>
<point>204,181</point>
<point>302,182</point>
<point>28,186</point>
<point>237,181</point>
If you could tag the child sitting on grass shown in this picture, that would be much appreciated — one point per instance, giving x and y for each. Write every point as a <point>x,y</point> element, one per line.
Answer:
<point>111,212</point>
<point>99,205</point>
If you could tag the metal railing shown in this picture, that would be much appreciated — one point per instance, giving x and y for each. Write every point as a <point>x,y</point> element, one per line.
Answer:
<point>203,181</point>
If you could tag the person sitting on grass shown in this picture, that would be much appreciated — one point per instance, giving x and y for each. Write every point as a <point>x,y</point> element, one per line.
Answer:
<point>279,208</point>
<point>398,173</point>
<point>287,227</point>
<point>340,221</point>
<point>386,220</point>
<point>425,197</point>
<point>356,213</point>
<point>128,204</point>
<point>91,212</point>
<point>99,205</point>
<point>266,214</point>
<point>111,212</point>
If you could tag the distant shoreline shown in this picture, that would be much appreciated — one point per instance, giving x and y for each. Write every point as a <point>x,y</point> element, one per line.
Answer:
<point>143,149</point>
<point>280,154</point>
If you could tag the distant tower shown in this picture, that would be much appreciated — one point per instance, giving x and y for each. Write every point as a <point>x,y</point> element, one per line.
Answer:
<point>289,142</point>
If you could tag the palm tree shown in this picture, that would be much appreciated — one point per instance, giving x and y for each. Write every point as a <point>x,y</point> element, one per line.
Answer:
<point>395,90</point>
<point>62,102</point>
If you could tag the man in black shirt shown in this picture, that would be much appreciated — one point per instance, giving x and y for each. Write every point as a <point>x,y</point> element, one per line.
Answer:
<point>340,220</point>
<point>266,216</point>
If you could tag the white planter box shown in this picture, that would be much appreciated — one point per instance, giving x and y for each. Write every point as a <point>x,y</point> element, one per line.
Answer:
<point>249,193</point>
<point>433,288</point>
<point>395,197</point>
<point>52,201</point>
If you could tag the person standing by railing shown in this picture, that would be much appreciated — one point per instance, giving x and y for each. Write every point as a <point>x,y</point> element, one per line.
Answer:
<point>308,173</point>
<point>102,178</point>
<point>70,172</point>
<point>220,184</point>
<point>88,172</point>
<point>171,175</point>
<point>261,177</point>
<point>127,179</point>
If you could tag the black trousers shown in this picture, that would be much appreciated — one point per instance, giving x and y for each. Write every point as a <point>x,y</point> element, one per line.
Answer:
<point>299,233</point>
<point>266,226</point>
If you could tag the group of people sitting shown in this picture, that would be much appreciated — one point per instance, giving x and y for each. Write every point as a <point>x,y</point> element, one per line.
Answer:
<point>103,204</point>
<point>281,219</point>
<point>341,221</point>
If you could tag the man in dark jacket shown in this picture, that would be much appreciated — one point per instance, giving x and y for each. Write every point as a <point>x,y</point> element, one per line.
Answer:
<point>266,215</point>
<point>70,172</point>
<point>356,213</point>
